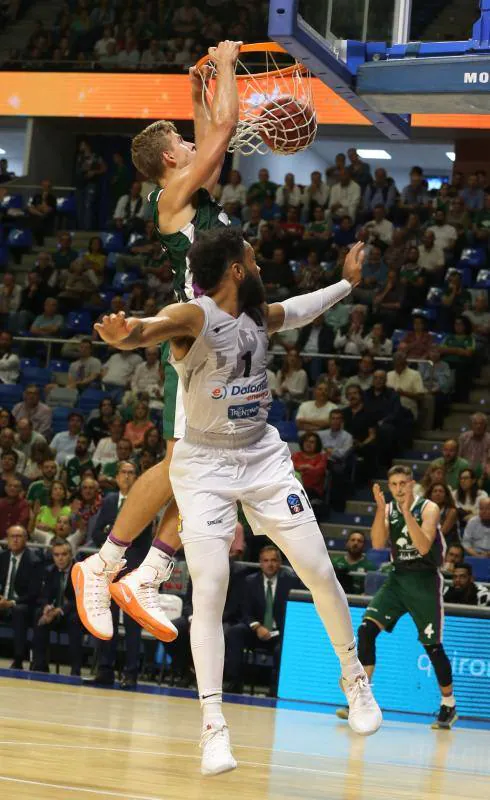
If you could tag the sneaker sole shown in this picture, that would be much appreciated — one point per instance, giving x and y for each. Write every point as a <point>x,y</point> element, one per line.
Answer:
<point>78,581</point>
<point>231,766</point>
<point>342,713</point>
<point>436,726</point>
<point>136,612</point>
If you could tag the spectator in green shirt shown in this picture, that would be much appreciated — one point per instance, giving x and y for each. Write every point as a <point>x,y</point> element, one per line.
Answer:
<point>261,188</point>
<point>454,300</point>
<point>75,467</point>
<point>458,350</point>
<point>39,490</point>
<point>65,254</point>
<point>452,463</point>
<point>353,561</point>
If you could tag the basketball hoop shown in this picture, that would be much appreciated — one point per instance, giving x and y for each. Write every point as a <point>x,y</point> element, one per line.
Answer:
<point>276,103</point>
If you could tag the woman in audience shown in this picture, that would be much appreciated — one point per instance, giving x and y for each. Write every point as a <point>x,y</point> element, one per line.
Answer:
<point>311,463</point>
<point>418,342</point>
<point>377,343</point>
<point>98,425</point>
<point>350,340</point>
<point>141,423</point>
<point>137,298</point>
<point>47,516</point>
<point>458,350</point>
<point>154,443</point>
<point>440,493</point>
<point>292,380</point>
<point>467,496</point>
<point>6,419</point>
<point>40,452</point>
<point>95,259</point>
<point>433,474</point>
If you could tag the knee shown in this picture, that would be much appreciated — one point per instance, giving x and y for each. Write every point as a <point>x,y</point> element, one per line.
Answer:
<point>320,575</point>
<point>366,642</point>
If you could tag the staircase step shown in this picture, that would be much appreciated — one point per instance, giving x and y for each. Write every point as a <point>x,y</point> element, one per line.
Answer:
<point>467,408</point>
<point>459,422</point>
<point>439,436</point>
<point>480,396</point>
<point>418,467</point>
<point>360,507</point>
<point>331,531</point>
<point>431,447</point>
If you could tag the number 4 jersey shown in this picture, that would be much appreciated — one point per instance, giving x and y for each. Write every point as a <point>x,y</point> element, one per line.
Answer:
<point>405,555</point>
<point>224,380</point>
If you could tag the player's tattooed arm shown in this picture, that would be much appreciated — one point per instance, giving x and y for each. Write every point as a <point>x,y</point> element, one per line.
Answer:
<point>181,320</point>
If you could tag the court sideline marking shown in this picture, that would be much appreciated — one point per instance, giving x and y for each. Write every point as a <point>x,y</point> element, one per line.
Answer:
<point>68,788</point>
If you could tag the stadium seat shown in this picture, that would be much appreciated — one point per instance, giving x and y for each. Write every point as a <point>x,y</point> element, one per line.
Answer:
<point>480,567</point>
<point>38,375</point>
<point>112,242</point>
<point>426,313</point>
<point>12,201</point>
<point>66,206</point>
<point>61,396</point>
<point>134,239</point>
<point>90,399</point>
<point>123,280</point>
<point>378,557</point>
<point>465,273</point>
<point>10,395</point>
<point>79,322</point>
<point>397,336</point>
<point>482,279</point>
<point>60,418</point>
<point>277,412</point>
<point>111,262</point>
<point>472,257</point>
<point>434,297</point>
<point>25,363</point>
<point>20,239</point>
<point>59,365</point>
<point>287,430</point>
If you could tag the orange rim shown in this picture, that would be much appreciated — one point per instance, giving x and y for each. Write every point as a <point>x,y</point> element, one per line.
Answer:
<point>261,47</point>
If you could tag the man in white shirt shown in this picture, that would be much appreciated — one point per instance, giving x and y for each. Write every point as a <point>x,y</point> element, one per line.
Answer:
<point>379,227</point>
<point>314,415</point>
<point>106,450</point>
<point>119,368</point>
<point>317,192</point>
<point>129,57</point>
<point>129,211</point>
<point>148,377</point>
<point>345,197</point>
<point>9,362</point>
<point>10,294</point>
<point>431,254</point>
<point>153,56</point>
<point>234,191</point>
<point>26,437</point>
<point>335,440</point>
<point>289,194</point>
<point>65,442</point>
<point>407,382</point>
<point>86,370</point>
<point>445,235</point>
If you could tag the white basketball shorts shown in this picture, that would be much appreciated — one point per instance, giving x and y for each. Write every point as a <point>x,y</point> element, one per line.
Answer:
<point>207,483</point>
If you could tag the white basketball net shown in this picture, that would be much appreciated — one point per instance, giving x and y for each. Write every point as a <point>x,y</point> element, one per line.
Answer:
<point>288,129</point>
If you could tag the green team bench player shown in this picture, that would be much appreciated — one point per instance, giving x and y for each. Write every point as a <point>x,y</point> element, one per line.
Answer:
<point>414,586</point>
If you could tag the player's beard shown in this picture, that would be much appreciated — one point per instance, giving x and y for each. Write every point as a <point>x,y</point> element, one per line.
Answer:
<point>251,296</point>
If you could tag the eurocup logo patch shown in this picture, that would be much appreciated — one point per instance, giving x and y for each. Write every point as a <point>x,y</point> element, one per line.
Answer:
<point>295,504</point>
<point>219,393</point>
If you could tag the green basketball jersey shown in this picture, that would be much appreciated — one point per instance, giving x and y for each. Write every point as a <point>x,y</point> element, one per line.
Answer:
<point>209,214</point>
<point>404,554</point>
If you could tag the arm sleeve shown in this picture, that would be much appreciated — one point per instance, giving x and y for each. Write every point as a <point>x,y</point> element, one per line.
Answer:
<point>303,309</point>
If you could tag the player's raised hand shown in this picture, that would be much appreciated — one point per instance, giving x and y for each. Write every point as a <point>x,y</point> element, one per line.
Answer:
<point>225,53</point>
<point>407,502</point>
<point>198,76</point>
<point>115,328</point>
<point>379,497</point>
<point>354,260</point>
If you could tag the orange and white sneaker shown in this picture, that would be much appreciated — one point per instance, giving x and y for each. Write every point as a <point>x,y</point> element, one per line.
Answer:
<point>137,594</point>
<point>91,580</point>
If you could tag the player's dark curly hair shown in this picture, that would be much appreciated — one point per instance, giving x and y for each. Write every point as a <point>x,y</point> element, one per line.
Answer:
<point>212,253</point>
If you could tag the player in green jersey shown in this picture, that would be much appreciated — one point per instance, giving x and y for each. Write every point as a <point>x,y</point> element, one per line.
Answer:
<point>185,174</point>
<point>414,586</point>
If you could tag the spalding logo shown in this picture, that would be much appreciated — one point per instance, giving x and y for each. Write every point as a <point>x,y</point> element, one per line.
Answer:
<point>219,392</point>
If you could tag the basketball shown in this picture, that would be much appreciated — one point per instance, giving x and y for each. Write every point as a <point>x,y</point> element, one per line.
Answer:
<point>287,125</point>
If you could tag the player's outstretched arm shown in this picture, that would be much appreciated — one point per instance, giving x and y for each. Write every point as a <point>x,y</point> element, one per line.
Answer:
<point>212,146</point>
<point>181,320</point>
<point>296,312</point>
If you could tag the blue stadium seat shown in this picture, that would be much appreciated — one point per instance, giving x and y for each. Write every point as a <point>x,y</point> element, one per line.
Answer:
<point>287,430</point>
<point>59,365</point>
<point>60,417</point>
<point>12,201</point>
<point>112,242</point>
<point>90,399</point>
<point>427,313</point>
<point>134,239</point>
<point>277,412</point>
<point>38,375</point>
<point>123,280</point>
<point>19,238</point>
<point>25,363</point>
<point>66,206</point>
<point>434,297</point>
<point>397,336</point>
<point>4,255</point>
<point>480,567</point>
<point>111,261</point>
<point>465,273</point>
<point>482,279</point>
<point>378,557</point>
<point>473,257</point>
<point>10,395</point>
<point>78,322</point>
<point>350,520</point>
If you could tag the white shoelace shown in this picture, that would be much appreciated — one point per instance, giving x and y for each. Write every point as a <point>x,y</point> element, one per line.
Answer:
<point>97,598</point>
<point>359,692</point>
<point>214,737</point>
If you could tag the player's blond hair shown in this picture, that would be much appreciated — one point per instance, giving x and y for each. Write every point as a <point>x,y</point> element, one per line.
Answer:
<point>147,148</point>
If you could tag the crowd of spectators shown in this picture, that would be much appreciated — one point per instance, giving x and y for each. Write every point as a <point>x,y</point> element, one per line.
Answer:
<point>141,35</point>
<point>409,342</point>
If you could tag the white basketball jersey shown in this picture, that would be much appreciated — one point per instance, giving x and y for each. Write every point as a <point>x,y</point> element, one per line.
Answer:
<point>224,379</point>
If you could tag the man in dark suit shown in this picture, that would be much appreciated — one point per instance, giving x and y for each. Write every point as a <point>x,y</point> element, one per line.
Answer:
<point>20,581</point>
<point>98,532</point>
<point>264,601</point>
<point>57,610</point>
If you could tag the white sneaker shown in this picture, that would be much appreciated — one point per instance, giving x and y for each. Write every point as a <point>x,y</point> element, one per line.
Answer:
<point>364,713</point>
<point>91,580</point>
<point>137,594</point>
<point>216,751</point>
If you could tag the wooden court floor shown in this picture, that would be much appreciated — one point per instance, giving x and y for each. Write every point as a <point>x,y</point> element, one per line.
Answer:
<point>67,742</point>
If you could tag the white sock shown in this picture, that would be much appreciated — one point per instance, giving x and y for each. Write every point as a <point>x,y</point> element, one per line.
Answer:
<point>212,713</point>
<point>449,701</point>
<point>112,553</point>
<point>157,559</point>
<point>349,661</point>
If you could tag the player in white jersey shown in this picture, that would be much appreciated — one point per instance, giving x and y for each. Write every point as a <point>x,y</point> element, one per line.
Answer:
<point>229,453</point>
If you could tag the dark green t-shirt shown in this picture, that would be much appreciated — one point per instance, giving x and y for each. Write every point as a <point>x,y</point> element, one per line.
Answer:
<point>38,491</point>
<point>74,469</point>
<point>405,555</point>
<point>344,567</point>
